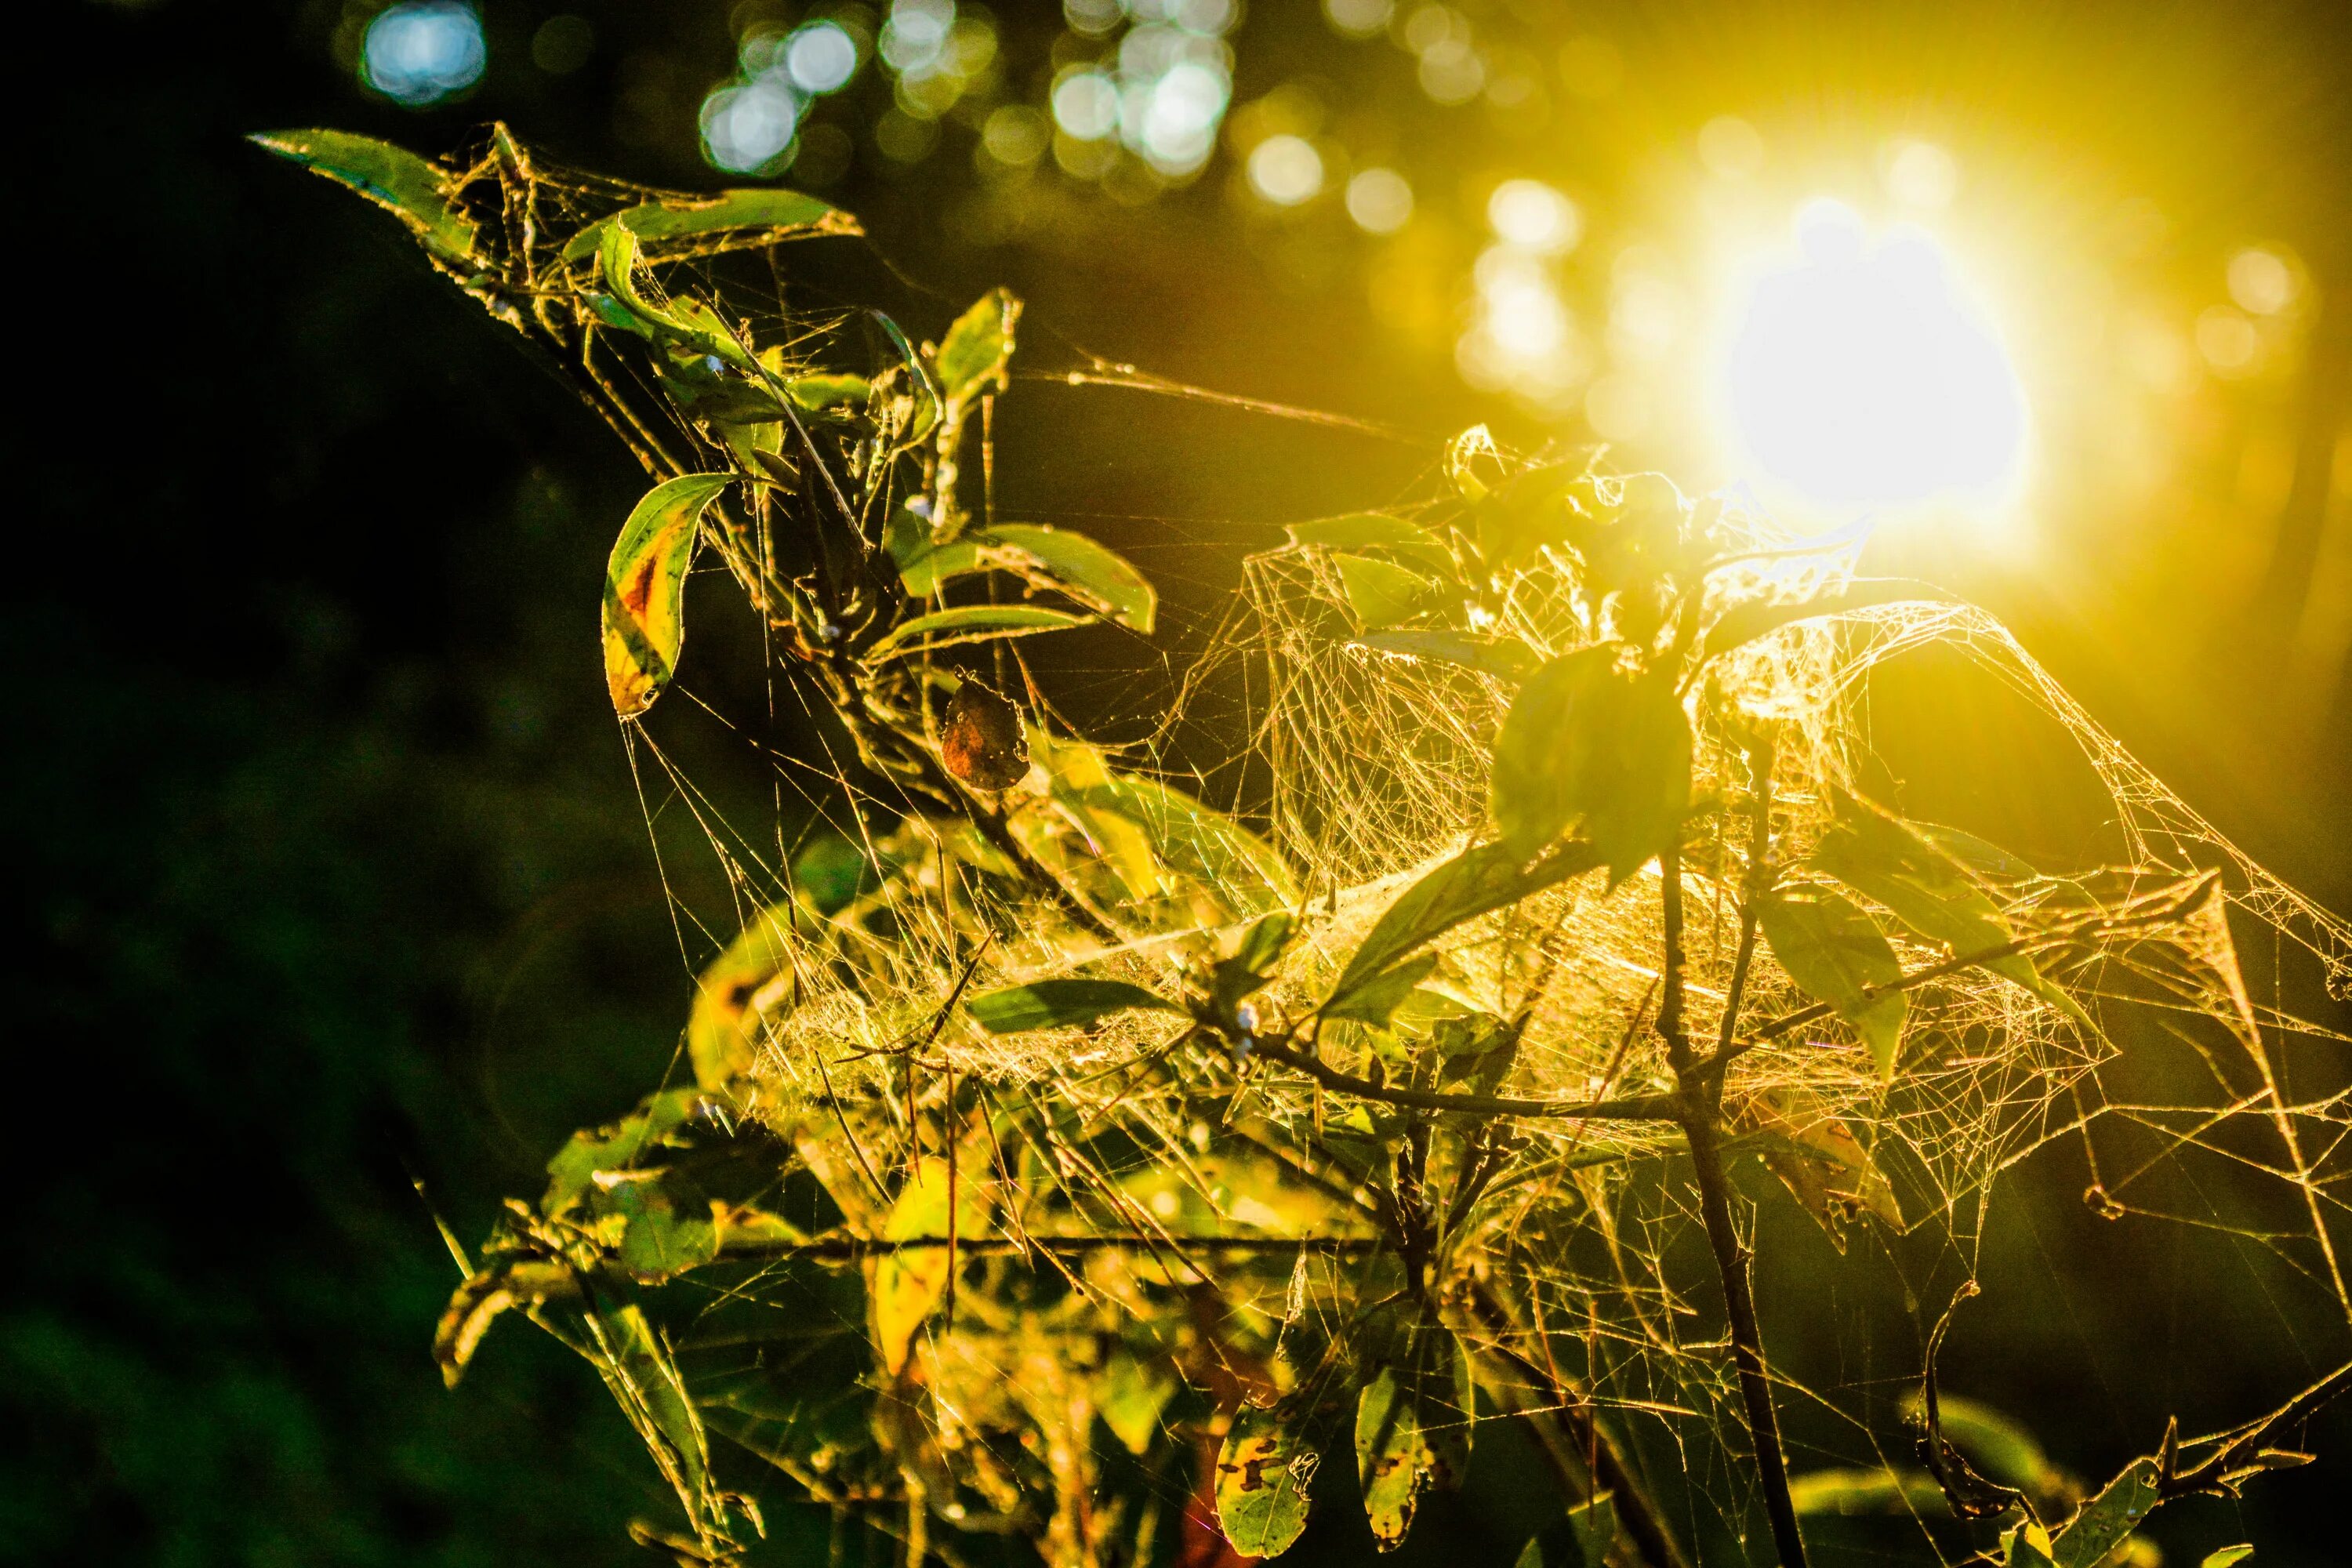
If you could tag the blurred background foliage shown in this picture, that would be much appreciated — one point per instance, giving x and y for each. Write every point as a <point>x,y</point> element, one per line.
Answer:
<point>339,879</point>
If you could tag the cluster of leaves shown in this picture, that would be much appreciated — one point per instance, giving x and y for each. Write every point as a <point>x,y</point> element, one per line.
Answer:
<point>915,1263</point>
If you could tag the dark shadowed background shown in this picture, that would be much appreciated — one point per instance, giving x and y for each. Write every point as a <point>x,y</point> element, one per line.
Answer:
<point>336,880</point>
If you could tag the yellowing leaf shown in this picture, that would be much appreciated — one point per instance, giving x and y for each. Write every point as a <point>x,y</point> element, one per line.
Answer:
<point>1262,1476</point>
<point>1130,1397</point>
<point>1387,1456</point>
<point>419,193</point>
<point>905,1286</point>
<point>645,589</point>
<point>1819,1161</point>
<point>718,1033</point>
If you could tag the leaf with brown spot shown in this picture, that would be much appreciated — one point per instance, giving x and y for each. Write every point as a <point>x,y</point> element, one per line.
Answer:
<point>645,589</point>
<point>1262,1472</point>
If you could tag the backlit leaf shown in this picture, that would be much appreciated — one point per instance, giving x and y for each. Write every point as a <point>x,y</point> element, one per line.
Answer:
<point>1090,571</point>
<point>2101,1523</point>
<point>1376,999</point>
<point>1381,591</point>
<point>2226,1556</point>
<point>1477,881</point>
<point>1588,742</point>
<point>623,1146</point>
<point>1240,869</point>
<point>1262,1476</point>
<point>1388,1455</point>
<point>1129,1397</point>
<point>724,220</point>
<point>1928,890</point>
<point>419,193</point>
<point>906,1286</point>
<point>1835,953</point>
<point>973,353</point>
<point>1368,529</point>
<point>1851,1492</point>
<point>972,623</point>
<point>1506,659</point>
<point>644,1379</point>
<point>1060,1004</point>
<point>670,1225</point>
<point>718,1037</point>
<point>645,589</point>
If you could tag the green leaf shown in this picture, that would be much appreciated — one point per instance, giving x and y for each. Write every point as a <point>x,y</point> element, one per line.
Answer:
<point>1866,1492</point>
<point>927,565</point>
<point>2025,1544</point>
<point>618,1147</point>
<point>1129,1397</point>
<point>972,623</point>
<point>2226,1556</point>
<point>643,1377</point>
<point>1262,944</point>
<point>1368,529</point>
<point>1477,881</point>
<point>1928,890</point>
<point>2101,1524</point>
<point>747,217</point>
<point>1225,857</point>
<point>977,347</point>
<point>1505,658</point>
<point>1835,953</point>
<point>1381,591</point>
<point>1375,1000</point>
<point>419,193</point>
<point>908,1286</point>
<point>1060,1004</point>
<point>1262,1475</point>
<point>819,391</point>
<point>1086,569</point>
<point>1998,1446</point>
<point>1387,1456</point>
<point>1588,740</point>
<point>645,589</point>
<point>669,1227</point>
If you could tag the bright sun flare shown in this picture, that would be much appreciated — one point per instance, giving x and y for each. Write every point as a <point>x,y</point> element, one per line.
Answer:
<point>1861,375</point>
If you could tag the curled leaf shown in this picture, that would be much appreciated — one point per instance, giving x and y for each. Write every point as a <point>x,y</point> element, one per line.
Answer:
<point>645,589</point>
<point>418,192</point>
<point>724,220</point>
<point>973,354</point>
<point>971,623</point>
<point>1091,572</point>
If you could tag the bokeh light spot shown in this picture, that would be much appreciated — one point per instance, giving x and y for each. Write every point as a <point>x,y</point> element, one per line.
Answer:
<point>2262,281</point>
<point>821,57</point>
<point>1865,375</point>
<point>1534,217</point>
<point>563,44</point>
<point>1730,147</point>
<point>1380,201</point>
<point>1085,104</point>
<point>2228,341</point>
<point>747,128</point>
<point>423,52</point>
<point>1286,170</point>
<point>1359,18</point>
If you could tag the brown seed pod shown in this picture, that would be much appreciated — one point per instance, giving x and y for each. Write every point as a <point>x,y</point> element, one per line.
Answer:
<point>983,744</point>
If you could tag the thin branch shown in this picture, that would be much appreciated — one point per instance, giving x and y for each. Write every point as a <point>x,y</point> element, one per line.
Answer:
<point>1702,1126</point>
<point>1633,1107</point>
<point>841,1248</point>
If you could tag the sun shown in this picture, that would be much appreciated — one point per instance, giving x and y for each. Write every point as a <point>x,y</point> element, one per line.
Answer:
<point>1862,374</point>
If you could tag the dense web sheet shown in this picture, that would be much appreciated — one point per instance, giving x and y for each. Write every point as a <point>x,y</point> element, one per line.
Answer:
<point>1246,1202</point>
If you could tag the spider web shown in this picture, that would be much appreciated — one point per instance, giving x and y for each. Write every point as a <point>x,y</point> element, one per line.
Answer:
<point>1374,767</point>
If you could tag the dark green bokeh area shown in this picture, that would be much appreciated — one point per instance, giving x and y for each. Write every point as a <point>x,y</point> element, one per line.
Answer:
<point>337,879</point>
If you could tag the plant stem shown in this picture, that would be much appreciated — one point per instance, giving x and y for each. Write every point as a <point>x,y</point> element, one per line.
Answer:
<point>1702,1100</point>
